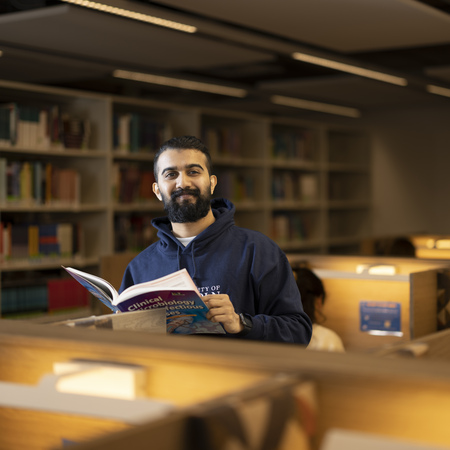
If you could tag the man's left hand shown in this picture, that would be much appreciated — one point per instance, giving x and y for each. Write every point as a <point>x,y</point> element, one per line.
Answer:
<point>222,310</point>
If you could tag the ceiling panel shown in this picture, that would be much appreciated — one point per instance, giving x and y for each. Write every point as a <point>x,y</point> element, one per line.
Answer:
<point>440,72</point>
<point>339,25</point>
<point>77,47</point>
<point>352,91</point>
<point>78,32</point>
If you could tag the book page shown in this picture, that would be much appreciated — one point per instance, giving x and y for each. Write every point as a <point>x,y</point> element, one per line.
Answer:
<point>180,280</point>
<point>97,286</point>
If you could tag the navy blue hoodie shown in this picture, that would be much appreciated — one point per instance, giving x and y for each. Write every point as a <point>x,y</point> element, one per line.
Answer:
<point>225,259</point>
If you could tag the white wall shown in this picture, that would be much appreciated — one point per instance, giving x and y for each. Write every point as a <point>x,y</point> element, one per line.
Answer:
<point>411,171</point>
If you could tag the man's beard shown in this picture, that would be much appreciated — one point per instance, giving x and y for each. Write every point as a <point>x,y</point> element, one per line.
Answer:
<point>187,211</point>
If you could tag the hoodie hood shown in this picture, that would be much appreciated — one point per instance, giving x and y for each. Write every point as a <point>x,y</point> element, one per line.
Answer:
<point>243,264</point>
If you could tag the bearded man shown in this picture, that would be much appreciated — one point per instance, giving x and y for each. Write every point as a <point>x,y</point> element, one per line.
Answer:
<point>243,276</point>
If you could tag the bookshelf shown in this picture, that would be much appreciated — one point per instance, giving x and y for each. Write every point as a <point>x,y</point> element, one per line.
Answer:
<point>306,185</point>
<point>349,189</point>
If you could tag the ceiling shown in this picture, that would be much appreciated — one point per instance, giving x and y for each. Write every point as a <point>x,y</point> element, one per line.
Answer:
<point>241,43</point>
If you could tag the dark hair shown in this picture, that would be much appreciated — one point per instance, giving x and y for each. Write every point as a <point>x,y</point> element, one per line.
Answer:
<point>182,143</point>
<point>310,287</point>
<point>402,246</point>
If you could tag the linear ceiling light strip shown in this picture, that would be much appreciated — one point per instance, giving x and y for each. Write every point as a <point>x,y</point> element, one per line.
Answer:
<point>133,15</point>
<point>315,106</point>
<point>438,90</point>
<point>179,83</point>
<point>350,69</point>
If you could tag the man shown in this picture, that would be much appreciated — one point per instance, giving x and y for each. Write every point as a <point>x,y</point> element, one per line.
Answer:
<point>244,277</point>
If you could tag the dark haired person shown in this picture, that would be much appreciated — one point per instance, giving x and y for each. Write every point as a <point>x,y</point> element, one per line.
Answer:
<point>313,298</point>
<point>244,277</point>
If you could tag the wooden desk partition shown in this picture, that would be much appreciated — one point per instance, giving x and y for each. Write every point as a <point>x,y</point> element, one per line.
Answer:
<point>413,288</point>
<point>395,398</point>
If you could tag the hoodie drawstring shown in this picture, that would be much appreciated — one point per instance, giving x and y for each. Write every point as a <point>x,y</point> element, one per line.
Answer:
<point>178,258</point>
<point>193,261</point>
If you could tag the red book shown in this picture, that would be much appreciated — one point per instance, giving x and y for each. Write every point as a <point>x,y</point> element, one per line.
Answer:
<point>66,293</point>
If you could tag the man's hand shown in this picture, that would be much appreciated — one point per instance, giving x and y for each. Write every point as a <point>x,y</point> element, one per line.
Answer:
<point>222,310</point>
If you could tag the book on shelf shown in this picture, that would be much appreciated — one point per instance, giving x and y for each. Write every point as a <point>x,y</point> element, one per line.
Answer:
<point>42,127</point>
<point>35,182</point>
<point>293,145</point>
<point>225,141</point>
<point>176,292</point>
<point>35,241</point>
<point>138,133</point>
<point>66,294</point>
<point>235,186</point>
<point>132,183</point>
<point>8,124</point>
<point>309,187</point>
<point>133,233</point>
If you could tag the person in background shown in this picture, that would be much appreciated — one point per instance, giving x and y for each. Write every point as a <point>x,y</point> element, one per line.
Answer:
<point>402,246</point>
<point>244,277</point>
<point>313,296</point>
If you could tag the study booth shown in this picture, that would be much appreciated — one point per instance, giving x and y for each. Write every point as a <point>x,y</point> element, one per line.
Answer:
<point>372,301</point>
<point>423,245</point>
<point>186,392</point>
<point>192,392</point>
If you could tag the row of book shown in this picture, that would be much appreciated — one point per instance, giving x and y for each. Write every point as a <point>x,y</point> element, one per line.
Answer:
<point>132,183</point>
<point>42,127</point>
<point>235,186</point>
<point>36,241</point>
<point>291,227</point>
<point>133,233</point>
<point>50,296</point>
<point>222,141</point>
<point>294,186</point>
<point>137,133</point>
<point>298,145</point>
<point>38,183</point>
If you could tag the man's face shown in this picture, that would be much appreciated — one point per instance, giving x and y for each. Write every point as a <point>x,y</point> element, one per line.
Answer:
<point>184,185</point>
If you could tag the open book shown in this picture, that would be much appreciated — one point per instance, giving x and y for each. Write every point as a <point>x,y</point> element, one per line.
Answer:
<point>177,293</point>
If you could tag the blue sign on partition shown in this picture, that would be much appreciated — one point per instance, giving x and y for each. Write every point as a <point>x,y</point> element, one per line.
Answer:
<point>382,318</point>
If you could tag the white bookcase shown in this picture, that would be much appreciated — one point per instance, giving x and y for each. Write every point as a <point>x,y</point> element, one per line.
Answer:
<point>306,185</point>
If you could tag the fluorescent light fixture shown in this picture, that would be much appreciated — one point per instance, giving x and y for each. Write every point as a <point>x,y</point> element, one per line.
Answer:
<point>178,83</point>
<point>438,90</point>
<point>350,69</point>
<point>315,106</point>
<point>133,15</point>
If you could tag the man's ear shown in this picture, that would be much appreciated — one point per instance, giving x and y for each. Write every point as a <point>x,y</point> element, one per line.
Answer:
<point>213,181</point>
<point>156,191</point>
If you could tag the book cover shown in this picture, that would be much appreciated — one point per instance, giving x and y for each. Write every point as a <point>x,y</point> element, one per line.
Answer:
<point>176,292</point>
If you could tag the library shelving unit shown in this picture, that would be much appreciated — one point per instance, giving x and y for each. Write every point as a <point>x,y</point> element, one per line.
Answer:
<point>297,191</point>
<point>304,184</point>
<point>238,145</point>
<point>54,194</point>
<point>349,190</point>
<point>139,127</point>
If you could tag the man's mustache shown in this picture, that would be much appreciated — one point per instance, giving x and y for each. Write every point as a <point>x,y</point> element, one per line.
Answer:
<point>179,192</point>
